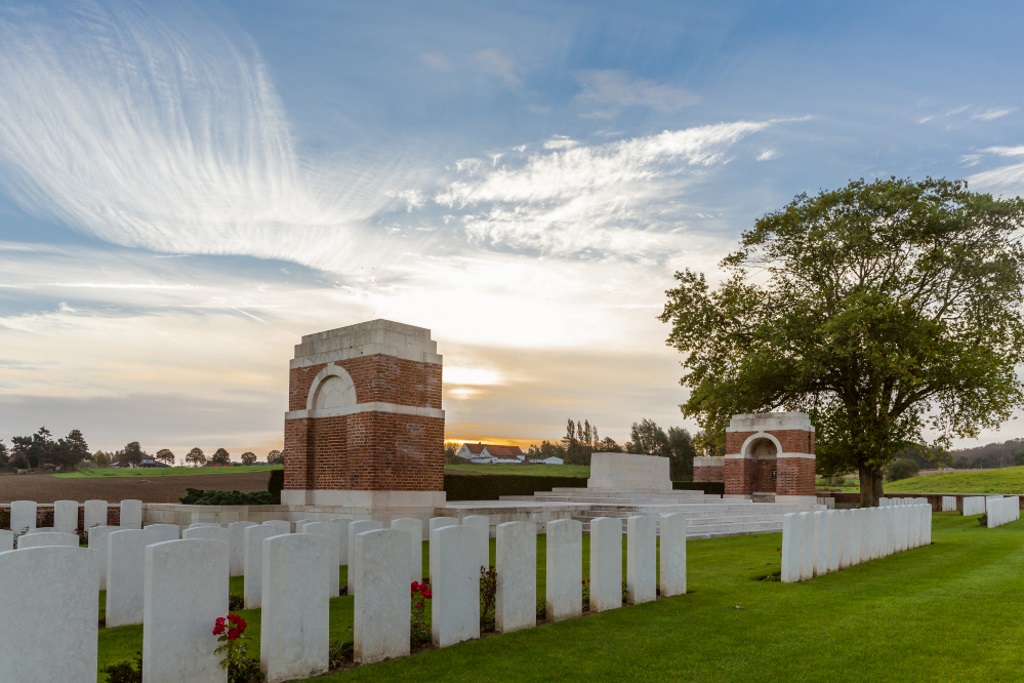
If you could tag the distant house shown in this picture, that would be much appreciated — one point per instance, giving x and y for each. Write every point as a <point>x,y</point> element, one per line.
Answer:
<point>550,460</point>
<point>147,461</point>
<point>489,454</point>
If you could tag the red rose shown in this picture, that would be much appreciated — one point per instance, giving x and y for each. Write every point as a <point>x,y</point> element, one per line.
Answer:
<point>233,633</point>
<point>426,593</point>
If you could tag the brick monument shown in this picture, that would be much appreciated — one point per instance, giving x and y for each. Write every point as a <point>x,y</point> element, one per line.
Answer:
<point>768,453</point>
<point>364,428</point>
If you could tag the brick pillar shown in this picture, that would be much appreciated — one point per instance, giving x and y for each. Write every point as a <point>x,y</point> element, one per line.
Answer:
<point>365,429</point>
<point>759,442</point>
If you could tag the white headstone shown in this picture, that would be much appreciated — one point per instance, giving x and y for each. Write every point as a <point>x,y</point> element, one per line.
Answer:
<point>820,542</point>
<point>126,571</point>
<point>213,533</point>
<point>65,515</point>
<point>864,529</point>
<point>23,516</point>
<point>805,544</point>
<point>253,570</point>
<point>330,532</point>
<point>641,559</point>
<point>515,561</point>
<point>790,549</point>
<point>354,528</point>
<point>341,526</point>
<point>835,540</point>
<point>438,522</point>
<point>131,514</point>
<point>455,584</point>
<point>605,563</point>
<point>186,589</point>
<point>48,625</point>
<point>294,629</point>
<point>165,532</point>
<point>381,616</point>
<point>564,572</point>
<point>6,540</point>
<point>415,529</point>
<point>236,536</point>
<point>95,513</point>
<point>98,536</point>
<point>483,526</point>
<point>44,538</point>
<point>672,533</point>
<point>278,526</point>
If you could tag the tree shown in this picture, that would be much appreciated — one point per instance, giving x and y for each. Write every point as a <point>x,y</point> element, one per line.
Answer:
<point>165,455</point>
<point>681,452</point>
<point>883,309</point>
<point>451,452</point>
<point>220,457</point>
<point>608,445</point>
<point>647,438</point>
<point>101,459</point>
<point>72,450</point>
<point>248,458</point>
<point>131,455</point>
<point>4,455</point>
<point>275,457</point>
<point>196,457</point>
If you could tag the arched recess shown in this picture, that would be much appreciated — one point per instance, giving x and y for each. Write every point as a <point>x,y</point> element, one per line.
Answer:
<point>761,446</point>
<point>331,389</point>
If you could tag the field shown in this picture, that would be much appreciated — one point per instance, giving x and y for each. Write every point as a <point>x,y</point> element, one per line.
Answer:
<point>47,488</point>
<point>150,472</point>
<point>945,612</point>
<point>1008,480</point>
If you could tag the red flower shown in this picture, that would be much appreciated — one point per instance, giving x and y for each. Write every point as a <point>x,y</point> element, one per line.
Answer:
<point>218,626</point>
<point>415,587</point>
<point>425,592</point>
<point>233,633</point>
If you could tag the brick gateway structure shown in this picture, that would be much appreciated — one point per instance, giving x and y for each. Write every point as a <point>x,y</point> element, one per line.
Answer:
<point>364,428</point>
<point>765,453</point>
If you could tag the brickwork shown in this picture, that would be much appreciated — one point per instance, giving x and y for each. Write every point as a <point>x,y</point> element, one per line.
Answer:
<point>792,440</point>
<point>762,475</point>
<point>710,473</point>
<point>367,449</point>
<point>795,477</point>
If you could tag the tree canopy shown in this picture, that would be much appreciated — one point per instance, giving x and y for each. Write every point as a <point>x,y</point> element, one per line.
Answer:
<point>890,311</point>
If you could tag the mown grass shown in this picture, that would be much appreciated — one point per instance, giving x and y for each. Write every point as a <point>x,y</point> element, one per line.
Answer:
<point>524,470</point>
<point>148,472</point>
<point>941,613</point>
<point>1007,480</point>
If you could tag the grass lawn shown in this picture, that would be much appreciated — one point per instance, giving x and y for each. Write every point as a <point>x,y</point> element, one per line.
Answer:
<point>1008,480</point>
<point>531,470</point>
<point>148,472</point>
<point>946,612</point>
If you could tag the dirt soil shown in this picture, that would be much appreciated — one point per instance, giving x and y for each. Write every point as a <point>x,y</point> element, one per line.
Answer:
<point>44,488</point>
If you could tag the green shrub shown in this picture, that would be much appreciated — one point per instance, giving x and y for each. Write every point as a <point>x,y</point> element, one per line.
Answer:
<point>275,484</point>
<point>901,468</point>
<point>473,486</point>
<point>217,497</point>
<point>124,672</point>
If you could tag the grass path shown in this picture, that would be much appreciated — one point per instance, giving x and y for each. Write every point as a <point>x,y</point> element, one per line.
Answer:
<point>947,612</point>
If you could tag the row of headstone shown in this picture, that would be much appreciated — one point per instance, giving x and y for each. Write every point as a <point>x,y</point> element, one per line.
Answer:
<point>949,503</point>
<point>974,505</point>
<point>458,552</point>
<point>65,515</point>
<point>884,502</point>
<point>816,543</point>
<point>1003,511</point>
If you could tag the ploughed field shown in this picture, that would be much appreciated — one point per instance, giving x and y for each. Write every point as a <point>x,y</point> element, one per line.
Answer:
<point>46,488</point>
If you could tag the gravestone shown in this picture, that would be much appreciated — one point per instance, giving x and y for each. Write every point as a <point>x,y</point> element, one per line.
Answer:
<point>381,615</point>
<point>330,533</point>
<point>455,584</point>
<point>641,559</point>
<point>126,571</point>
<point>48,627</point>
<point>98,537</point>
<point>355,528</point>
<point>564,572</point>
<point>515,605</point>
<point>605,563</point>
<point>65,515</point>
<point>45,538</point>
<point>181,605</point>
<point>483,526</point>
<point>252,584</point>
<point>415,529</point>
<point>23,516</point>
<point>131,514</point>
<point>294,632</point>
<point>236,539</point>
<point>672,532</point>
<point>95,513</point>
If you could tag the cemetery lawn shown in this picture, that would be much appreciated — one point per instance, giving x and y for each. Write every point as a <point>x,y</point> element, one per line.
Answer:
<point>148,472</point>
<point>946,612</point>
<point>1006,480</point>
<point>524,470</point>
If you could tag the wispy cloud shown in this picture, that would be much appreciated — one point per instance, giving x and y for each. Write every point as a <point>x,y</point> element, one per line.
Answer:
<point>624,198</point>
<point>990,114</point>
<point>498,64</point>
<point>612,90</point>
<point>1004,180</point>
<point>162,132</point>
<point>957,116</point>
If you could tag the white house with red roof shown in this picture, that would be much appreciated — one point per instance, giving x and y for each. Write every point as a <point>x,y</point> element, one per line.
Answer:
<point>488,454</point>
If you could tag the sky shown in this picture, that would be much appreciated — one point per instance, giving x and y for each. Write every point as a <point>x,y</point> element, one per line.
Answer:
<point>188,188</point>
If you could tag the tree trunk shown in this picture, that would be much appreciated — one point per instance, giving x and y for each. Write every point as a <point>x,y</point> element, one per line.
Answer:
<point>870,486</point>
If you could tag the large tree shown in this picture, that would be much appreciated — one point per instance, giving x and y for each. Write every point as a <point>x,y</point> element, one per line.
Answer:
<point>890,311</point>
<point>196,457</point>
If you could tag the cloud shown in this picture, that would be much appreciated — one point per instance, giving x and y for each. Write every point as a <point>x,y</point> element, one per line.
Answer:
<point>990,114</point>
<point>611,90</point>
<point>954,118</point>
<point>767,155</point>
<point>164,131</point>
<point>497,64</point>
<point>624,198</point>
<point>1005,180</point>
<point>435,61</point>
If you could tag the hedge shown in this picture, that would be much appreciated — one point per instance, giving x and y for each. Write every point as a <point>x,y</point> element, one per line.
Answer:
<point>218,497</point>
<point>471,486</point>
<point>713,488</point>
<point>275,485</point>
